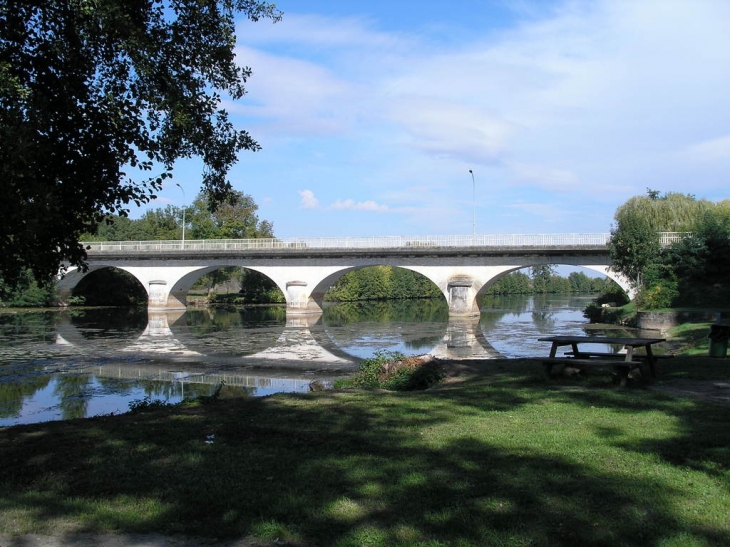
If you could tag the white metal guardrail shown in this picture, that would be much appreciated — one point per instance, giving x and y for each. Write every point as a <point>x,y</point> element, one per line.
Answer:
<point>533,241</point>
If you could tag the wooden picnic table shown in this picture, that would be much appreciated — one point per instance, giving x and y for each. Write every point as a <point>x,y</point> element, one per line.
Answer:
<point>623,362</point>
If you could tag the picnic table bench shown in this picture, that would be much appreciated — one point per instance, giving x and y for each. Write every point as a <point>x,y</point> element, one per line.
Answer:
<point>622,363</point>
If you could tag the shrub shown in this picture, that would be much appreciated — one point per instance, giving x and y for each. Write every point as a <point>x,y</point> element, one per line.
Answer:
<point>394,371</point>
<point>147,404</point>
<point>659,290</point>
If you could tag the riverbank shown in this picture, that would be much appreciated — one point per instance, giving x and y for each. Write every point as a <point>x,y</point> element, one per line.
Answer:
<point>495,455</point>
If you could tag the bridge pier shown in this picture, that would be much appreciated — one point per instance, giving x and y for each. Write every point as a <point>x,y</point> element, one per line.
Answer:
<point>158,296</point>
<point>298,301</point>
<point>462,297</point>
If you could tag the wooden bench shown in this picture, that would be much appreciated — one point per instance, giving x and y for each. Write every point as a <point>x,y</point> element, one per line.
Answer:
<point>583,354</point>
<point>622,369</point>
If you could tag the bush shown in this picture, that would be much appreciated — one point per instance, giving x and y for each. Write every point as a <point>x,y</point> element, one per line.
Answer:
<point>147,404</point>
<point>394,371</point>
<point>659,290</point>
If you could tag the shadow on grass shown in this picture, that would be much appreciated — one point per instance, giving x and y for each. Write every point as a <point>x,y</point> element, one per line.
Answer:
<point>492,461</point>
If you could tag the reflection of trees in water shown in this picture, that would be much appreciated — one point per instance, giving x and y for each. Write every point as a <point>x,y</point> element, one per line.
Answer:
<point>423,342</point>
<point>15,330</point>
<point>116,386</point>
<point>126,323</point>
<point>430,310</point>
<point>494,308</point>
<point>502,305</point>
<point>169,390</point>
<point>32,327</point>
<point>12,393</point>
<point>544,320</point>
<point>189,390</point>
<point>220,319</point>
<point>74,393</point>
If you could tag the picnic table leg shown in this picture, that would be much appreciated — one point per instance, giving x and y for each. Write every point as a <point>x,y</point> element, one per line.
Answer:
<point>553,349</point>
<point>629,358</point>
<point>629,353</point>
<point>651,360</point>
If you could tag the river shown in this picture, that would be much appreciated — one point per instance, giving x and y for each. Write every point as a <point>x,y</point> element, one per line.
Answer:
<point>77,362</point>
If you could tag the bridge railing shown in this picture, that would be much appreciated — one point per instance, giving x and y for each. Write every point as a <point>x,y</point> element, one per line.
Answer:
<point>536,241</point>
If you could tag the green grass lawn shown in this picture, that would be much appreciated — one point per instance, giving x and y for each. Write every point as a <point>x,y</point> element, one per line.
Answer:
<point>503,457</point>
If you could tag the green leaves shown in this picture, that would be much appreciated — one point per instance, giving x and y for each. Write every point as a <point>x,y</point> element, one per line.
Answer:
<point>99,99</point>
<point>691,271</point>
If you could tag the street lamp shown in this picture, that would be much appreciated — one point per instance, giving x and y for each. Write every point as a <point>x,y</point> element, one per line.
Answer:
<point>183,208</point>
<point>473,207</point>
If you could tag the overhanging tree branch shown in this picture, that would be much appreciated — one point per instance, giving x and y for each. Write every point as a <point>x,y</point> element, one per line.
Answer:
<point>98,100</point>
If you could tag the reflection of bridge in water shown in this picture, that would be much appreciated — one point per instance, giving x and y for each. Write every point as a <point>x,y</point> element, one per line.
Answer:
<point>292,354</point>
<point>275,381</point>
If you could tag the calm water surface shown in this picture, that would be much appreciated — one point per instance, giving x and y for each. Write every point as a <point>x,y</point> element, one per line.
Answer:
<point>79,363</point>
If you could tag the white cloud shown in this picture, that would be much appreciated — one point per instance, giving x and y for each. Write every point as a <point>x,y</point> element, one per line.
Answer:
<point>446,128</point>
<point>350,204</point>
<point>288,96</point>
<point>308,200</point>
<point>322,33</point>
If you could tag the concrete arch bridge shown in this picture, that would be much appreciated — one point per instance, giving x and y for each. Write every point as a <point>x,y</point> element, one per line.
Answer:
<point>462,267</point>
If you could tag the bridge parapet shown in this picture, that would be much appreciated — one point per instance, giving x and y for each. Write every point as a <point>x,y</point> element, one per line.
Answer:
<point>404,243</point>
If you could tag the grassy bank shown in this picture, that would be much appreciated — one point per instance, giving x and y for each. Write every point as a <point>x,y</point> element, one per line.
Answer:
<point>495,456</point>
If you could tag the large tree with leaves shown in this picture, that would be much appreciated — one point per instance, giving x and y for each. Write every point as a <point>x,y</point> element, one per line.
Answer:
<point>692,270</point>
<point>98,99</point>
<point>234,218</point>
<point>634,244</point>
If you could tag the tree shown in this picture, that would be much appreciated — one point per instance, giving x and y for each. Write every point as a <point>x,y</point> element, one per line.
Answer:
<point>580,283</point>
<point>633,246</point>
<point>235,218</point>
<point>699,263</point>
<point>541,277</point>
<point>692,270</point>
<point>98,99</point>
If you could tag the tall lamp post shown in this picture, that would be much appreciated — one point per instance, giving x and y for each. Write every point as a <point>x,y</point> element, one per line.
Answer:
<point>473,207</point>
<point>183,209</point>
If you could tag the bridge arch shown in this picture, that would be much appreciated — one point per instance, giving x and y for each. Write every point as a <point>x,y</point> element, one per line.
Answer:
<point>319,291</point>
<point>108,285</point>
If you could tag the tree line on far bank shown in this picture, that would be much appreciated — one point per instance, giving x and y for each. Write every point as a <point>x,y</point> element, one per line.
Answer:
<point>389,283</point>
<point>543,280</point>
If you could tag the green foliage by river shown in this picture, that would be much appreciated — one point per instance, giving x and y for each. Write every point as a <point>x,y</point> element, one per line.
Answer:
<point>381,283</point>
<point>691,272</point>
<point>544,281</point>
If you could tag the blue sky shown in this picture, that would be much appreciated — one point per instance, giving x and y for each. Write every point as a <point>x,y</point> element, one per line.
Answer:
<point>371,114</point>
